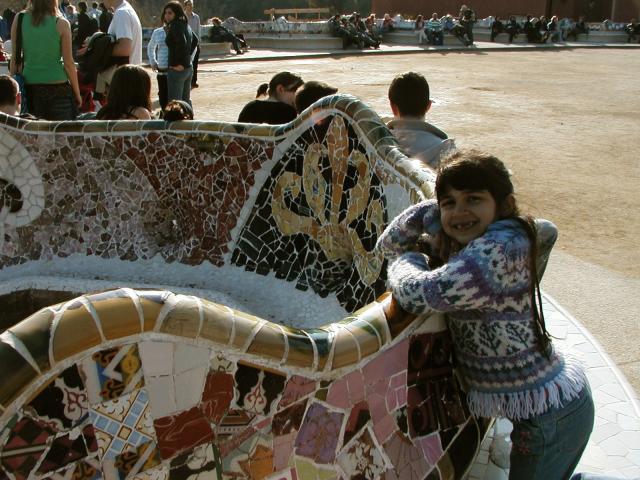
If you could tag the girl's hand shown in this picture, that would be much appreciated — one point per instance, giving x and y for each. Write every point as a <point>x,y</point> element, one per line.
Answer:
<point>177,68</point>
<point>78,100</point>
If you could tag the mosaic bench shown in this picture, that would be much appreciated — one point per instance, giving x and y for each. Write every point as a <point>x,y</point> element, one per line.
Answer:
<point>276,354</point>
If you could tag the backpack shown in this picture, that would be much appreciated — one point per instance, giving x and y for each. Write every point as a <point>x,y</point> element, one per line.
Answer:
<point>97,57</point>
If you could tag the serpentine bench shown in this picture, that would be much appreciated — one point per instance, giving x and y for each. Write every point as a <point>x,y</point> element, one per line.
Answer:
<point>228,314</point>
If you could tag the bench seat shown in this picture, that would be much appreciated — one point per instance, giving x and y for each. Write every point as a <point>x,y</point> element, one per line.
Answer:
<point>294,41</point>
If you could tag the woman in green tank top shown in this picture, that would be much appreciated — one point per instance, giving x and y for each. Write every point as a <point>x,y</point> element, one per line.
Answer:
<point>47,64</point>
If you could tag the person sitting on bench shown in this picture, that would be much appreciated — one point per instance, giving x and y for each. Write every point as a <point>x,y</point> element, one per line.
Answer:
<point>219,33</point>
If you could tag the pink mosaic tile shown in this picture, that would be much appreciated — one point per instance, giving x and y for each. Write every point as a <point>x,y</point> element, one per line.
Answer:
<point>296,388</point>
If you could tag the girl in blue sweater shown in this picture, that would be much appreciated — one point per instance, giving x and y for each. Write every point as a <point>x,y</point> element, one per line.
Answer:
<point>482,266</point>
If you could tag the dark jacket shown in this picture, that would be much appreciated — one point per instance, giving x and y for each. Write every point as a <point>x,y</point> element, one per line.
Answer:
<point>181,42</point>
<point>97,57</point>
<point>87,26</point>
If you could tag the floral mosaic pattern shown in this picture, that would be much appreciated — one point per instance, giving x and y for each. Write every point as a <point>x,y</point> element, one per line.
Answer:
<point>320,206</point>
<point>151,385</point>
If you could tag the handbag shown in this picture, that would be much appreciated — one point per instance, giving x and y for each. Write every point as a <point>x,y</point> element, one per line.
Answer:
<point>18,61</point>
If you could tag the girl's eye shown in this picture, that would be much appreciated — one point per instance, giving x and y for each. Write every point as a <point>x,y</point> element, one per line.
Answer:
<point>446,203</point>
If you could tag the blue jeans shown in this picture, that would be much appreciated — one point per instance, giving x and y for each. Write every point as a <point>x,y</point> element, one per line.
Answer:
<point>549,446</point>
<point>179,85</point>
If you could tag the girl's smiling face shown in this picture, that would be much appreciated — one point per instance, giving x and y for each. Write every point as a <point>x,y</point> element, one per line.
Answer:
<point>466,214</point>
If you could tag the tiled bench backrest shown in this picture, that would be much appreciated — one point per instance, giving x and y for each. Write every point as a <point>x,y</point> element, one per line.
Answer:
<point>271,199</point>
<point>149,384</point>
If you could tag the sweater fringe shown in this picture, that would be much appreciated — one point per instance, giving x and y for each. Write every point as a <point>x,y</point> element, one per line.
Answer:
<point>524,404</point>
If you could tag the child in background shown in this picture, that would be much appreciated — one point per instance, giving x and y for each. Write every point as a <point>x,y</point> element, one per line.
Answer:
<point>482,268</point>
<point>177,110</point>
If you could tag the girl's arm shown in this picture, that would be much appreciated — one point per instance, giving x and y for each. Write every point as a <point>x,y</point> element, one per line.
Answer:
<point>404,230</point>
<point>473,279</point>
<point>64,30</point>
<point>13,69</point>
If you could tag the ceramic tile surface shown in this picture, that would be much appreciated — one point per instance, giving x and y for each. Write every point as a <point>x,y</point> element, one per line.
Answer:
<point>122,424</point>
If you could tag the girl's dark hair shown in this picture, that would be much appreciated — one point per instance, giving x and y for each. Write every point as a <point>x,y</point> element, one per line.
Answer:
<point>310,92</point>
<point>130,88</point>
<point>288,80</point>
<point>475,170</point>
<point>176,7</point>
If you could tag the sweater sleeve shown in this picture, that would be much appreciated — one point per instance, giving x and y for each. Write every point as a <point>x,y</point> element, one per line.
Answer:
<point>406,228</point>
<point>473,279</point>
<point>151,48</point>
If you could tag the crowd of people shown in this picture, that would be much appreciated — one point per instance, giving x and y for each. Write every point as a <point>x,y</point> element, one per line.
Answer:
<point>48,39</point>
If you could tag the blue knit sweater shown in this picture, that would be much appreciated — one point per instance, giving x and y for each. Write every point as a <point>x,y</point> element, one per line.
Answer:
<point>484,290</point>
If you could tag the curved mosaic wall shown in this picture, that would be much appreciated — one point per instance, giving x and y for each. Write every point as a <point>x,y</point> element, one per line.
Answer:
<point>150,384</point>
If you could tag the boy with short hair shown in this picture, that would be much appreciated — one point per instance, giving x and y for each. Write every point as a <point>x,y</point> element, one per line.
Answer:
<point>409,100</point>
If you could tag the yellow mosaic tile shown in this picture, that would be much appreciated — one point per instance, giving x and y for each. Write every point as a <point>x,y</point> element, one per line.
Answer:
<point>269,342</point>
<point>244,325</point>
<point>118,315</point>
<point>373,314</point>
<point>446,468</point>
<point>365,336</point>
<point>75,332</point>
<point>218,322</point>
<point>184,318</point>
<point>151,307</point>
<point>345,352</point>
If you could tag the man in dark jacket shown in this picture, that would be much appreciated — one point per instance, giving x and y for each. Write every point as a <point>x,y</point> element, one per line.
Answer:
<point>87,25</point>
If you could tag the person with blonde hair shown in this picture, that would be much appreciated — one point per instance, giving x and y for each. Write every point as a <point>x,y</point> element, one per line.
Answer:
<point>52,86</point>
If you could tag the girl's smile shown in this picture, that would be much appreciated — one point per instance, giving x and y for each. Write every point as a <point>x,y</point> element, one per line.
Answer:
<point>466,214</point>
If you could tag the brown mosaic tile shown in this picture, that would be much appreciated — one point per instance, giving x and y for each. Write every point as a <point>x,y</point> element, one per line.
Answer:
<point>35,334</point>
<point>345,350</point>
<point>16,374</point>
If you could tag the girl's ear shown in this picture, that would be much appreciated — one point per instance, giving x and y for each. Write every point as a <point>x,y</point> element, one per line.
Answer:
<point>508,207</point>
